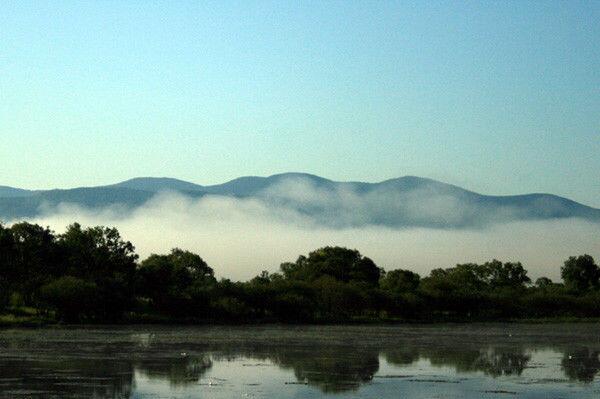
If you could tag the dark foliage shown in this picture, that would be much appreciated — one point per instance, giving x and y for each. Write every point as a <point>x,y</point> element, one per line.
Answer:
<point>93,275</point>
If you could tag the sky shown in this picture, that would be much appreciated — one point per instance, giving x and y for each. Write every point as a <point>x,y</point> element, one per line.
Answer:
<point>497,97</point>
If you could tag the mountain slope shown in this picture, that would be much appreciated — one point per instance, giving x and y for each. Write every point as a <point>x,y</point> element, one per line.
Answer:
<point>12,208</point>
<point>253,185</point>
<point>396,203</point>
<point>157,184</point>
<point>8,192</point>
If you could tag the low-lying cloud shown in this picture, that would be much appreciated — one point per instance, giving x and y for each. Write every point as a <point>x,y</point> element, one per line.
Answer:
<point>345,205</point>
<point>241,237</point>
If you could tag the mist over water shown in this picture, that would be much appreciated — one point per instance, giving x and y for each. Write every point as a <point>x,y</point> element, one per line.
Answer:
<point>241,237</point>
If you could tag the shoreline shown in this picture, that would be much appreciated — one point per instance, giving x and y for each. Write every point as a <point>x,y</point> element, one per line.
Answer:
<point>7,322</point>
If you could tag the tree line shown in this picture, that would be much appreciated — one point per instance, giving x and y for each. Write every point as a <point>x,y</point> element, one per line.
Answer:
<point>94,275</point>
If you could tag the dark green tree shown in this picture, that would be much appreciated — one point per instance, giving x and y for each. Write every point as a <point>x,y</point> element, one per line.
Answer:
<point>101,257</point>
<point>340,263</point>
<point>461,289</point>
<point>9,273</point>
<point>38,258</point>
<point>543,282</point>
<point>580,273</point>
<point>502,275</point>
<point>173,281</point>
<point>400,297</point>
<point>400,281</point>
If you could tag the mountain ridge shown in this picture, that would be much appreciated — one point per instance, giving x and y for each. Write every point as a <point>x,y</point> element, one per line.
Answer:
<point>398,202</point>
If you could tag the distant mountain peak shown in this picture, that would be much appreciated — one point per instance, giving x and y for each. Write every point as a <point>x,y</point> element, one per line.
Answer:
<point>297,175</point>
<point>156,184</point>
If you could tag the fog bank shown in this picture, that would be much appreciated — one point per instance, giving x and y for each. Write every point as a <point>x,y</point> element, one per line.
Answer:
<point>241,237</point>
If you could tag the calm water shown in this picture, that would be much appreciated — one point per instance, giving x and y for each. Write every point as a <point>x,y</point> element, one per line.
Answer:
<point>448,361</point>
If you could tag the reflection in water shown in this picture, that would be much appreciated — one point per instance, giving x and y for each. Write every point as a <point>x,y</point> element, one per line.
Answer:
<point>491,361</point>
<point>66,377</point>
<point>103,363</point>
<point>581,364</point>
<point>331,369</point>
<point>402,356</point>
<point>178,371</point>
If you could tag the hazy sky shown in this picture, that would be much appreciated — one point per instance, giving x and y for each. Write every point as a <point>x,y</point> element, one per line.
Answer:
<point>499,97</point>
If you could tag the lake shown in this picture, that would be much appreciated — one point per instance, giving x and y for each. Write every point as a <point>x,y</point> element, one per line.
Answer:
<point>407,361</point>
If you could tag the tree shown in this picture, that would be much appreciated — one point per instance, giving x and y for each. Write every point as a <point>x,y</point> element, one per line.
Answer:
<point>468,277</point>
<point>100,256</point>
<point>264,278</point>
<point>337,300</point>
<point>580,273</point>
<point>543,282</point>
<point>8,268</point>
<point>400,281</point>
<point>502,275</point>
<point>340,263</point>
<point>398,294</point>
<point>37,257</point>
<point>172,281</point>
<point>460,289</point>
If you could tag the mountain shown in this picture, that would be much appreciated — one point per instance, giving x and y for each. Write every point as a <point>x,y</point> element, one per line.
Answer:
<point>157,184</point>
<point>9,192</point>
<point>396,203</point>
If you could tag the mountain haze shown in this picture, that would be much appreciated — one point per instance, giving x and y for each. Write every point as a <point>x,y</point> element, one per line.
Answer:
<point>8,192</point>
<point>402,202</point>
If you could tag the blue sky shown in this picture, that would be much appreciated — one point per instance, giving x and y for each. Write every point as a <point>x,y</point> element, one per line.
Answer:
<point>498,97</point>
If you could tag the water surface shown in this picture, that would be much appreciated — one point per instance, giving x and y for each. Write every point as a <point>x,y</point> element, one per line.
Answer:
<point>436,361</point>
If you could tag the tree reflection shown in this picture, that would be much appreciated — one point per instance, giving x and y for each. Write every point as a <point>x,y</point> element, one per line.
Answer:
<point>491,361</point>
<point>402,356</point>
<point>332,369</point>
<point>178,370</point>
<point>581,364</point>
<point>102,365</point>
<point>67,377</point>
<point>497,363</point>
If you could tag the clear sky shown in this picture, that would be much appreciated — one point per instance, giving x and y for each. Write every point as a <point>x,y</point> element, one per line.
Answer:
<point>499,97</point>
